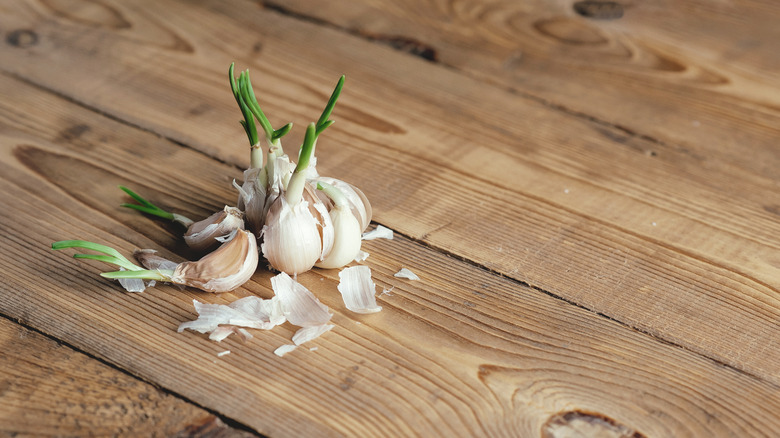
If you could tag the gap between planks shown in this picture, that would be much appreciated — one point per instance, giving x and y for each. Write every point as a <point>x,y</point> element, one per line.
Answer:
<point>228,421</point>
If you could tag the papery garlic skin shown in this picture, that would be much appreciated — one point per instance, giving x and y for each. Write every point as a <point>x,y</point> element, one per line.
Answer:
<point>291,237</point>
<point>225,269</point>
<point>201,236</point>
<point>252,198</point>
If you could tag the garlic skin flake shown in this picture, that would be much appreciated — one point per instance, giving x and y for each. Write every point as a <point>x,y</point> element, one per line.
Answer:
<point>252,198</point>
<point>251,312</point>
<point>202,235</point>
<point>358,289</point>
<point>405,273</point>
<point>380,232</point>
<point>225,269</point>
<point>298,304</point>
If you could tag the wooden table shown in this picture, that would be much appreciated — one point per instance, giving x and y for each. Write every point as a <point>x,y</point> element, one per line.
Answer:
<point>588,191</point>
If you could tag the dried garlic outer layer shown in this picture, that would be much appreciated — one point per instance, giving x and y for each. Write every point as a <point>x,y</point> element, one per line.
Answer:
<point>251,199</point>
<point>358,289</point>
<point>405,273</point>
<point>380,232</point>
<point>225,269</point>
<point>202,235</point>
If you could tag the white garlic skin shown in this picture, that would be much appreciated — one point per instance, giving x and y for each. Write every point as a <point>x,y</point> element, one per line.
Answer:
<point>252,198</point>
<point>291,237</point>
<point>201,235</point>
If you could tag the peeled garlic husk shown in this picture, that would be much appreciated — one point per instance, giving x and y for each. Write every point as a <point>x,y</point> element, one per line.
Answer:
<point>202,235</point>
<point>358,289</point>
<point>252,198</point>
<point>292,242</point>
<point>225,269</point>
<point>149,259</point>
<point>358,203</point>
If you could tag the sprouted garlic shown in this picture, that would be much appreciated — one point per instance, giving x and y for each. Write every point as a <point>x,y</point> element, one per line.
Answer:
<point>225,269</point>
<point>201,236</point>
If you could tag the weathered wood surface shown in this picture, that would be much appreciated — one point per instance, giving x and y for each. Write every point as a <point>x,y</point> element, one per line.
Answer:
<point>48,389</point>
<point>653,256</point>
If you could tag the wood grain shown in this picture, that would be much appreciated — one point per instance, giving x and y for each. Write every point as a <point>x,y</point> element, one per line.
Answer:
<point>48,389</point>
<point>463,352</point>
<point>694,77</point>
<point>675,242</point>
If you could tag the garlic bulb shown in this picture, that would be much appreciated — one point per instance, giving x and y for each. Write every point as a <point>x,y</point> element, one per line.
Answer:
<point>202,235</point>
<point>225,269</point>
<point>296,225</point>
<point>346,230</point>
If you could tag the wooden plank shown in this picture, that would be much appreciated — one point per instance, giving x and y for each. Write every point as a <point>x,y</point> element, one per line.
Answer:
<point>695,77</point>
<point>48,389</point>
<point>463,352</point>
<point>665,243</point>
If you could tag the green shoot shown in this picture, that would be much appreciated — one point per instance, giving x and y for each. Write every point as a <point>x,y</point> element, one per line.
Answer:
<point>249,122</point>
<point>281,132</point>
<point>298,179</point>
<point>248,94</point>
<point>149,208</point>
<point>144,274</point>
<point>111,255</point>
<point>323,122</point>
<point>334,194</point>
<point>307,148</point>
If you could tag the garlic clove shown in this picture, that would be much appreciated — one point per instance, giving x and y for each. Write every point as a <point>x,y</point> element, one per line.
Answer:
<point>291,237</point>
<point>225,269</point>
<point>346,229</point>
<point>201,236</point>
<point>347,240</point>
<point>358,203</point>
<point>358,289</point>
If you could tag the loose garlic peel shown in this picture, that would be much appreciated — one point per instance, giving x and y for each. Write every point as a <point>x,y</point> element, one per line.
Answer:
<point>225,269</point>
<point>358,289</point>
<point>202,235</point>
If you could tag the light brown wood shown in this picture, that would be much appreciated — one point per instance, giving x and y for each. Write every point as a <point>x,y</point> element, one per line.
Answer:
<point>661,241</point>
<point>702,76</point>
<point>48,389</point>
<point>462,352</point>
<point>592,260</point>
